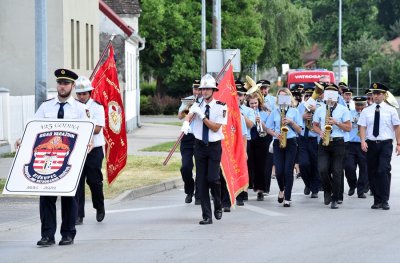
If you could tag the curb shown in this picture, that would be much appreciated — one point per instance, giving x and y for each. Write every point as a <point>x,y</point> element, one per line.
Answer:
<point>149,190</point>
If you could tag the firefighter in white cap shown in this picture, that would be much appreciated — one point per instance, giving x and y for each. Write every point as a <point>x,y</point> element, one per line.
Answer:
<point>209,116</point>
<point>92,169</point>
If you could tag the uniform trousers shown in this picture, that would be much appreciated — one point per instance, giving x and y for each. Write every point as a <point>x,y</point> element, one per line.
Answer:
<point>94,178</point>
<point>284,164</point>
<point>379,155</point>
<point>308,162</point>
<point>330,166</point>
<point>48,216</point>
<point>355,156</point>
<point>208,160</point>
<point>250,163</point>
<point>259,152</point>
<point>187,152</point>
<point>268,165</point>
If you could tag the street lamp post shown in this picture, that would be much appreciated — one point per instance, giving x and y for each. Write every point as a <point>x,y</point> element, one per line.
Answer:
<point>358,69</point>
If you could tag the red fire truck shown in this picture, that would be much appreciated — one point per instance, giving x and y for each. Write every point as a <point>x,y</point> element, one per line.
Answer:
<point>307,77</point>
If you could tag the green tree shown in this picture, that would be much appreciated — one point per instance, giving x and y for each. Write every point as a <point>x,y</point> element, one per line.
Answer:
<point>285,27</point>
<point>172,32</point>
<point>357,53</point>
<point>171,29</point>
<point>389,12</point>
<point>358,17</point>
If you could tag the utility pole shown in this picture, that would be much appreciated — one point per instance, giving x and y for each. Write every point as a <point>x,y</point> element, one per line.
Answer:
<point>203,37</point>
<point>40,52</point>
<point>358,69</point>
<point>216,22</point>
<point>340,42</point>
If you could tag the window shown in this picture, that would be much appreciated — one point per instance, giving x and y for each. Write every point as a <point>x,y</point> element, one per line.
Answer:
<point>78,51</point>
<point>72,44</point>
<point>87,46</point>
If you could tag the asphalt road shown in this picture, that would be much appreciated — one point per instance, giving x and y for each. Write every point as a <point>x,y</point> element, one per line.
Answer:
<point>161,228</point>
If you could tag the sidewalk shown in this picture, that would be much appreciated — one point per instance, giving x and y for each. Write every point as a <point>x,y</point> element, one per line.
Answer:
<point>151,133</point>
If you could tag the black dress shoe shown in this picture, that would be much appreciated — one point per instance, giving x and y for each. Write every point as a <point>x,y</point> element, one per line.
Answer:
<point>45,242</point>
<point>227,209</point>
<point>385,206</point>
<point>65,241</point>
<point>206,221</point>
<point>239,202</point>
<point>280,199</point>
<point>340,201</point>
<point>362,195</point>
<point>327,198</point>
<point>79,220</point>
<point>376,205</point>
<point>218,214</point>
<point>306,190</point>
<point>334,205</point>
<point>351,191</point>
<point>188,198</point>
<point>314,195</point>
<point>100,214</point>
<point>197,201</point>
<point>260,196</point>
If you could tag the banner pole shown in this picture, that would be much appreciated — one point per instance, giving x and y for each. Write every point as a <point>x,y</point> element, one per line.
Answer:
<point>217,79</point>
<point>101,57</point>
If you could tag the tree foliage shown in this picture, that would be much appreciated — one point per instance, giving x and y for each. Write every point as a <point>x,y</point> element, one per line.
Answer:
<point>285,27</point>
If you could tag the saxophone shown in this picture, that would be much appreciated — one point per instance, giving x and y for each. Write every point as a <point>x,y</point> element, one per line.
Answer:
<point>327,127</point>
<point>284,129</point>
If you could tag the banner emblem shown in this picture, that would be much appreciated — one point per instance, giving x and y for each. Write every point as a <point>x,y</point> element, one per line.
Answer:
<point>49,161</point>
<point>115,116</point>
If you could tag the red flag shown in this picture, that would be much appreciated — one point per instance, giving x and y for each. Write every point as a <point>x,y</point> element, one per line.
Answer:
<point>233,161</point>
<point>107,92</point>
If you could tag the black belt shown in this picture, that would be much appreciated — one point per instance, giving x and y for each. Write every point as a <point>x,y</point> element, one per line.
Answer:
<point>336,139</point>
<point>207,144</point>
<point>380,141</point>
<point>309,137</point>
<point>355,143</point>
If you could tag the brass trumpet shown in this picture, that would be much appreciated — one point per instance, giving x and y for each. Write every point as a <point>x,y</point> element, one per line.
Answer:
<point>260,129</point>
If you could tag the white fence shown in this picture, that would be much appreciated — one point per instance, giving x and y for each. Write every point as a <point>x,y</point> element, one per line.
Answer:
<point>15,112</point>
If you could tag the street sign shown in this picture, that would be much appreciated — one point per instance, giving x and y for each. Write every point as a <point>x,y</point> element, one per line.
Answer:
<point>216,59</point>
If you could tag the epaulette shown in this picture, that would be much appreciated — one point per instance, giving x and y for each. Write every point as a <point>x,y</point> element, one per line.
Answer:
<point>49,99</point>
<point>80,101</point>
<point>220,103</point>
<point>98,102</point>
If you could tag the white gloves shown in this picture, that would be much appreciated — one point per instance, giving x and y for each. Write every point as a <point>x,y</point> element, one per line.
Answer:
<point>196,110</point>
<point>185,127</point>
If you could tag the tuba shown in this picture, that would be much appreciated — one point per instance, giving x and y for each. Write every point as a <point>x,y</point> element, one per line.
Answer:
<point>391,100</point>
<point>284,129</point>
<point>328,128</point>
<point>188,103</point>
<point>252,87</point>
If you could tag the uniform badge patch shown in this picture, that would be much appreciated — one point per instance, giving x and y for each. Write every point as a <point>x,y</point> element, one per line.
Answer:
<point>88,113</point>
<point>224,113</point>
<point>49,161</point>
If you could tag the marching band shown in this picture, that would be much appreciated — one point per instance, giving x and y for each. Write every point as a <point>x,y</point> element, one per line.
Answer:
<point>324,129</point>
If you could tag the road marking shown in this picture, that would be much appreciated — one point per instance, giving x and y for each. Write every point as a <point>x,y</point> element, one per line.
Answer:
<point>143,209</point>
<point>262,210</point>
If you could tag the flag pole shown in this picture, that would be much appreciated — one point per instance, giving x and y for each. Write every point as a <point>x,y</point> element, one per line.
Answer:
<point>101,57</point>
<point>217,79</point>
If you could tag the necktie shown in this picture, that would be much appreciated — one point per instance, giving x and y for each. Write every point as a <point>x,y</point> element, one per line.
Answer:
<point>375,132</point>
<point>60,114</point>
<point>205,128</point>
<point>306,132</point>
